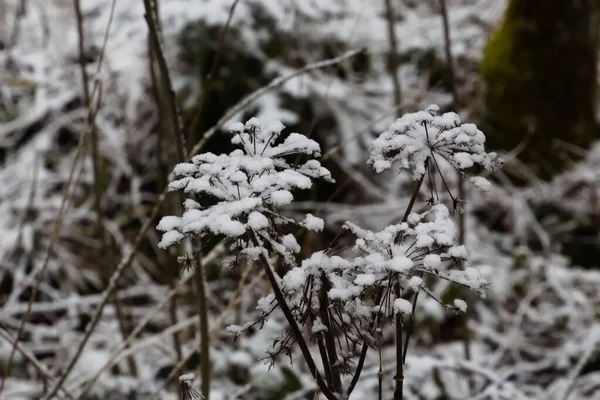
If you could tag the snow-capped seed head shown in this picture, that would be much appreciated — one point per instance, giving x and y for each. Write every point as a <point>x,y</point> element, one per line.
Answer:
<point>425,243</point>
<point>402,306</point>
<point>418,138</point>
<point>249,184</point>
<point>186,377</point>
<point>236,127</point>
<point>415,282</point>
<point>313,223</point>
<point>433,109</point>
<point>275,127</point>
<point>186,389</point>
<point>459,252</point>
<point>460,305</point>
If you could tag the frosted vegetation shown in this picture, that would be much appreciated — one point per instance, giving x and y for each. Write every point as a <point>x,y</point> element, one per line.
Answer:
<point>330,230</point>
<point>350,297</point>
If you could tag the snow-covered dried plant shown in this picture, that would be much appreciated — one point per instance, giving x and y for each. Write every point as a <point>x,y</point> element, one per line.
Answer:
<point>238,196</point>
<point>420,141</point>
<point>186,389</point>
<point>355,296</point>
<point>400,253</point>
<point>241,192</point>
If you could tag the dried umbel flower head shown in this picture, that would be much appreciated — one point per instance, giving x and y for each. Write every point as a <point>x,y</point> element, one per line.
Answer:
<point>241,192</point>
<point>418,140</point>
<point>400,253</point>
<point>187,391</point>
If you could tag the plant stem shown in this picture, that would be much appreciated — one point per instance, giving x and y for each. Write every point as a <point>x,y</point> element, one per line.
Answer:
<point>87,102</point>
<point>165,79</point>
<point>448,52</point>
<point>325,361</point>
<point>380,376</point>
<point>411,326</point>
<point>203,322</point>
<point>393,59</point>
<point>329,335</point>
<point>207,84</point>
<point>169,122</point>
<point>400,354</point>
<point>365,348</point>
<point>125,329</point>
<point>293,324</point>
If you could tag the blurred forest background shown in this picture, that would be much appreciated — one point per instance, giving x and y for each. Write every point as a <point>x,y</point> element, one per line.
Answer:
<point>86,148</point>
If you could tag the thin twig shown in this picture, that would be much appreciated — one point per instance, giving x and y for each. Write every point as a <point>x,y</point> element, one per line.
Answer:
<point>400,353</point>
<point>393,58</point>
<point>393,71</point>
<point>448,52</point>
<point>325,361</point>
<point>329,336</point>
<point>275,83</point>
<point>411,327</point>
<point>40,367</point>
<point>108,292</point>
<point>152,21</point>
<point>38,273</point>
<point>217,329</point>
<point>379,373</point>
<point>203,328</point>
<point>86,102</point>
<point>160,82</point>
<point>207,84</point>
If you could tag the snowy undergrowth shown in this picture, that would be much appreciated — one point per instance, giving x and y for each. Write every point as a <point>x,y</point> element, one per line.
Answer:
<point>41,118</point>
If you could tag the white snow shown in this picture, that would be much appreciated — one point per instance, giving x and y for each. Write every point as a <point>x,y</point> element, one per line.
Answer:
<point>559,301</point>
<point>432,261</point>
<point>241,358</point>
<point>418,138</point>
<point>313,223</point>
<point>460,304</point>
<point>400,264</point>
<point>186,377</point>
<point>415,282</point>
<point>318,327</point>
<point>249,182</point>
<point>402,306</point>
<point>257,221</point>
<point>281,198</point>
<point>290,243</point>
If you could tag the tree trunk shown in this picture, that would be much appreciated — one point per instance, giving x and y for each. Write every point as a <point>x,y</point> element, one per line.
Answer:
<point>540,71</point>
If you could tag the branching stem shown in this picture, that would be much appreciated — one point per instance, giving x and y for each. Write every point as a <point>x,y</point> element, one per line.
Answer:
<point>365,348</point>
<point>292,322</point>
